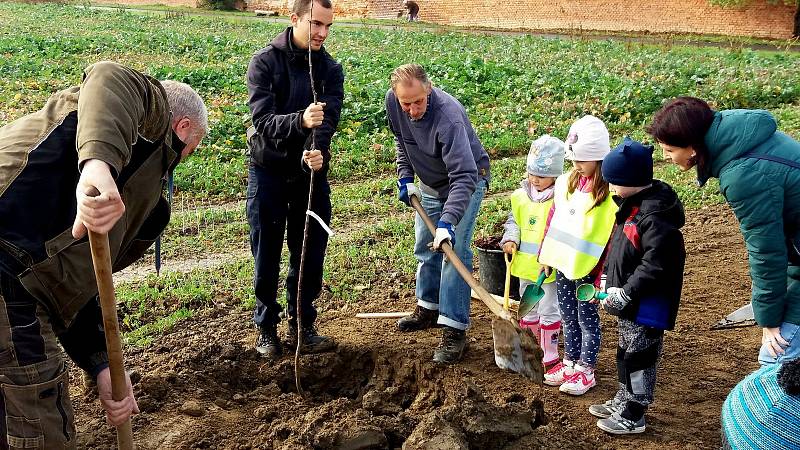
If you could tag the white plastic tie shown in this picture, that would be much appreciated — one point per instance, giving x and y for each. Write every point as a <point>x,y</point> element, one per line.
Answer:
<point>320,221</point>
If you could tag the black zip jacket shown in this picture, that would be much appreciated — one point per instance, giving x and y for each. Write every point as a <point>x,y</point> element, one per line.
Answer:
<point>279,91</point>
<point>647,255</point>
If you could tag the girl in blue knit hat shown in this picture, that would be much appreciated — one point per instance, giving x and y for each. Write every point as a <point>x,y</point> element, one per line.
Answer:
<point>574,244</point>
<point>644,275</point>
<point>524,230</point>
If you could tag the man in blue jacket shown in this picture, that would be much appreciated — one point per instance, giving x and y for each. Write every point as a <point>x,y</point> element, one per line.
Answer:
<point>436,142</point>
<point>281,161</point>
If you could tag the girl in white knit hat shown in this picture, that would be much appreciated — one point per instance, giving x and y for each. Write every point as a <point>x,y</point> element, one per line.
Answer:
<point>574,244</point>
<point>524,230</point>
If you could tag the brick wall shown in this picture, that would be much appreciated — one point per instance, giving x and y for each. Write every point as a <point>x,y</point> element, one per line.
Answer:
<point>759,18</point>
<point>189,3</point>
<point>342,8</point>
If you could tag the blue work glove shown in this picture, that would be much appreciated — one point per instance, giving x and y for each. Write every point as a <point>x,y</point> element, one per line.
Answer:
<point>406,190</point>
<point>444,232</point>
<point>616,300</point>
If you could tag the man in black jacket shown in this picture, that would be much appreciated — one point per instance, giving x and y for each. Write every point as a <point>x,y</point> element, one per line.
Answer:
<point>281,161</point>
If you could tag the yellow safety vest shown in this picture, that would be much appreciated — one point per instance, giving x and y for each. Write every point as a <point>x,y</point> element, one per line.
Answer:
<point>531,218</point>
<point>577,235</point>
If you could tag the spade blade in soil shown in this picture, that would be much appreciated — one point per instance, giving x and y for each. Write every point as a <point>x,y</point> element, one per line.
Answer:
<point>516,349</point>
<point>742,317</point>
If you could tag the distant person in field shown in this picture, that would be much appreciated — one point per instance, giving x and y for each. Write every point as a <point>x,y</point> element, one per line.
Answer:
<point>120,132</point>
<point>412,10</point>
<point>759,175</point>
<point>281,164</point>
<point>437,144</point>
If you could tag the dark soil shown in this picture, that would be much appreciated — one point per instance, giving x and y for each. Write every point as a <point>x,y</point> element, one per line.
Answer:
<point>489,242</point>
<point>203,385</point>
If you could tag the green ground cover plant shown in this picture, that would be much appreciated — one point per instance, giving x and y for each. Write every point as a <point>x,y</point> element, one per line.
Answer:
<point>514,87</point>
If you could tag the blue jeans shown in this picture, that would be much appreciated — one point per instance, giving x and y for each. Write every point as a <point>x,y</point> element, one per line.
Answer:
<point>439,286</point>
<point>789,332</point>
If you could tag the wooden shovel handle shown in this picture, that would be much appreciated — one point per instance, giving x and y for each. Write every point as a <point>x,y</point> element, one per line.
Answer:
<point>101,258</point>
<point>485,297</point>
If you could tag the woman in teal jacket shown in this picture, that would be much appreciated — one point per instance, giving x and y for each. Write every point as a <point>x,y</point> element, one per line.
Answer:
<point>759,175</point>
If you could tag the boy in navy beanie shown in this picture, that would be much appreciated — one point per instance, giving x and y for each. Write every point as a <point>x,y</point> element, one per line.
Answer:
<point>644,274</point>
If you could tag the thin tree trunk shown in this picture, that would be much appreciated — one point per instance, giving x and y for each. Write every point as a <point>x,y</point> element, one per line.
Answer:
<point>797,21</point>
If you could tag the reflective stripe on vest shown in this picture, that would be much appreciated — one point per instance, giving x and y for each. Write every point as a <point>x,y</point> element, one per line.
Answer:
<point>577,235</point>
<point>529,247</point>
<point>531,218</point>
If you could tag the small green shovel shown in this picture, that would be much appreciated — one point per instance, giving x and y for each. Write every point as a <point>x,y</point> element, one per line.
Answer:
<point>533,293</point>
<point>586,292</point>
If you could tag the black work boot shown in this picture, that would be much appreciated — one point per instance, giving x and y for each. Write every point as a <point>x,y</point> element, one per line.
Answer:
<point>268,343</point>
<point>452,346</point>
<point>312,342</point>
<point>420,319</point>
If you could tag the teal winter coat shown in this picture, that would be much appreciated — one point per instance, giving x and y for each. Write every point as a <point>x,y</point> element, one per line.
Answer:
<point>765,196</point>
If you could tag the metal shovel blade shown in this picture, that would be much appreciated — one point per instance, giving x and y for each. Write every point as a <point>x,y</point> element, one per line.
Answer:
<point>516,349</point>
<point>742,317</point>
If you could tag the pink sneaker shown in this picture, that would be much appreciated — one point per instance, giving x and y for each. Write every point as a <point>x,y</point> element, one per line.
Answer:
<point>559,373</point>
<point>580,382</point>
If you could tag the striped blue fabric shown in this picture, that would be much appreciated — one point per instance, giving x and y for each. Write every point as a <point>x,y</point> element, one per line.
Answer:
<point>758,414</point>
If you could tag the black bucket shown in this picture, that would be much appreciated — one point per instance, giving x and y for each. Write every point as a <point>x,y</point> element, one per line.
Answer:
<point>492,269</point>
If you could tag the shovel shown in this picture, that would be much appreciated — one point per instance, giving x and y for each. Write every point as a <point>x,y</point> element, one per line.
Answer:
<point>742,317</point>
<point>514,348</point>
<point>101,258</point>
<point>530,298</point>
<point>586,292</point>
<point>507,289</point>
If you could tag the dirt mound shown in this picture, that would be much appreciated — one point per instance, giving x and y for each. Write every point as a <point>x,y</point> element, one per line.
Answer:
<point>354,399</point>
<point>203,385</point>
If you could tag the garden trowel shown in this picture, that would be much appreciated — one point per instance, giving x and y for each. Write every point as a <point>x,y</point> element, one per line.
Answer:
<point>514,348</point>
<point>533,293</point>
<point>586,292</point>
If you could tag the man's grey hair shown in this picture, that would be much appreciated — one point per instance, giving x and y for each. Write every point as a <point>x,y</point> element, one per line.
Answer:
<point>407,73</point>
<point>186,102</point>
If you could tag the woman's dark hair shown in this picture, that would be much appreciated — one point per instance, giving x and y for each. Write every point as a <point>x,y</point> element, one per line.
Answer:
<point>683,122</point>
<point>789,377</point>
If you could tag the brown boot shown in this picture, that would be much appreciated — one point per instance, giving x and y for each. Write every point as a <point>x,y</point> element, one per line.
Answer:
<point>420,319</point>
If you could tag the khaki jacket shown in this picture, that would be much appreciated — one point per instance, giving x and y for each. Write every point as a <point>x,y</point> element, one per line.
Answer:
<point>117,115</point>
